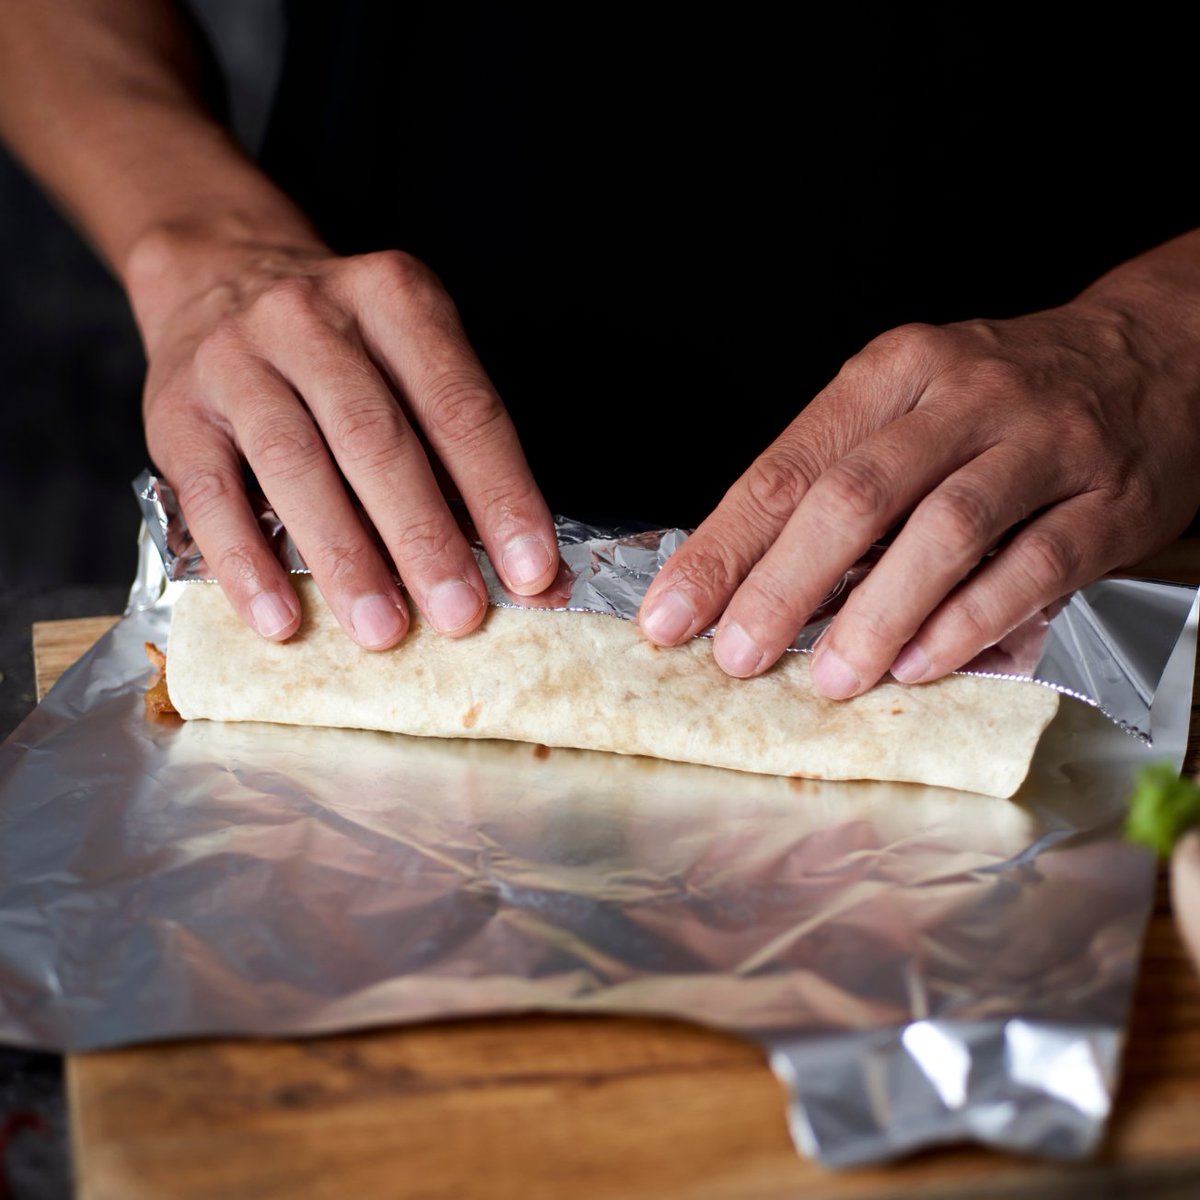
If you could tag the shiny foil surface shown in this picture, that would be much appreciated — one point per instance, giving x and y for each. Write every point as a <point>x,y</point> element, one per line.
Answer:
<point>920,965</point>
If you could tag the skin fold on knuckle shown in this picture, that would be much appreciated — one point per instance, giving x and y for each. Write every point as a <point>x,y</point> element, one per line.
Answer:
<point>219,353</point>
<point>407,293</point>
<point>852,494</point>
<point>283,449</point>
<point>287,303</point>
<point>368,436</point>
<point>344,564</point>
<point>428,546</point>
<point>957,522</point>
<point>1048,563</point>
<point>237,567</point>
<point>462,413</point>
<point>204,491</point>
<point>504,505</point>
<point>772,489</point>
<point>906,349</point>
<point>394,274</point>
<point>700,572</point>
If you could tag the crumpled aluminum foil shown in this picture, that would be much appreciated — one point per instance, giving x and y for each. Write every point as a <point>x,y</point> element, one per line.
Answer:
<point>920,965</point>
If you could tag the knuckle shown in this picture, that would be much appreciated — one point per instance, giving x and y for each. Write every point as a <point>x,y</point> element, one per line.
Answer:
<point>423,541</point>
<point>1048,559</point>
<point>959,520</point>
<point>906,346</point>
<point>970,622</point>
<point>236,566</point>
<point>368,435</point>
<point>284,449</point>
<point>462,411</point>
<point>203,490</point>
<point>289,301</point>
<point>994,375</point>
<point>397,270</point>
<point>774,485</point>
<point>400,282</point>
<point>704,571</point>
<point>342,562</point>
<point>852,488</point>
<point>220,350</point>
<point>506,501</point>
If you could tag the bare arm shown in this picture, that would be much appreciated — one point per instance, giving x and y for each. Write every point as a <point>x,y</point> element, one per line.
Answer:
<point>263,345</point>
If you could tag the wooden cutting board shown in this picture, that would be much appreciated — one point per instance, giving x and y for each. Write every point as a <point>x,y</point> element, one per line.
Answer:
<point>545,1107</point>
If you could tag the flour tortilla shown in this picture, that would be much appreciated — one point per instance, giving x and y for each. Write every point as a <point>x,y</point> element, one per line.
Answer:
<point>592,681</point>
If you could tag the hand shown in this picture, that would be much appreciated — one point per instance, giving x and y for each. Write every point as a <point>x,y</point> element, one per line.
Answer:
<point>305,364</point>
<point>1070,439</point>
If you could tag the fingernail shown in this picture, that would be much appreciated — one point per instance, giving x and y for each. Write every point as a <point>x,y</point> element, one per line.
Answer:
<point>669,619</point>
<point>834,676</point>
<point>911,665</point>
<point>526,559</point>
<point>736,652</point>
<point>271,613</point>
<point>376,621</point>
<point>453,604</point>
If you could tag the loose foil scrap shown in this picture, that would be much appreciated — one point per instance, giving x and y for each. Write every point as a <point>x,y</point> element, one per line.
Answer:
<point>919,965</point>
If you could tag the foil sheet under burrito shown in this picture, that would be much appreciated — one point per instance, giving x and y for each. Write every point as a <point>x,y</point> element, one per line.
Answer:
<point>920,965</point>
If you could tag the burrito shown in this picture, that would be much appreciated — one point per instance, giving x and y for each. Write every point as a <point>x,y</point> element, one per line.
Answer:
<point>591,681</point>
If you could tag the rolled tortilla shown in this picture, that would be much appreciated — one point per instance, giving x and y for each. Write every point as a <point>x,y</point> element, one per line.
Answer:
<point>592,681</point>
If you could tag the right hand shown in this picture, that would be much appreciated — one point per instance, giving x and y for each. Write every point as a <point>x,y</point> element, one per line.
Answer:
<point>303,363</point>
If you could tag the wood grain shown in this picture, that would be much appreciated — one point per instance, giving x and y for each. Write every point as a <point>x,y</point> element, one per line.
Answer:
<point>57,644</point>
<point>544,1107</point>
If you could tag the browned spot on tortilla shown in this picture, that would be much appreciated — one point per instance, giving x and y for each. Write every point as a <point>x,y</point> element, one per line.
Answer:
<point>471,715</point>
<point>540,751</point>
<point>897,711</point>
<point>802,783</point>
<point>631,696</point>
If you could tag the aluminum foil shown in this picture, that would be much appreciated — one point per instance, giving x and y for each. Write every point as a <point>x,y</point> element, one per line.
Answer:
<point>920,965</point>
<point>1081,650</point>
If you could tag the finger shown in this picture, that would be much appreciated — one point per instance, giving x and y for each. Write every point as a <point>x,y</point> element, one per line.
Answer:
<point>386,466</point>
<point>1062,550</point>
<point>206,473</point>
<point>851,505</point>
<point>283,447</point>
<point>882,382</point>
<point>945,538</point>
<point>416,332</point>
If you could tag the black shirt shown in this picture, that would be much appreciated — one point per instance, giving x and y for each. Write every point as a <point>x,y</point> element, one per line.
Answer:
<point>665,233</point>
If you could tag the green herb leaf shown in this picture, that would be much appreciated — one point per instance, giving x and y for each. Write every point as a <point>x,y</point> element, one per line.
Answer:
<point>1162,809</point>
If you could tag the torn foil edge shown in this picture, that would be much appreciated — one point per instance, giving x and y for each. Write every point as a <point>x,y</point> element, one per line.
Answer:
<point>1090,649</point>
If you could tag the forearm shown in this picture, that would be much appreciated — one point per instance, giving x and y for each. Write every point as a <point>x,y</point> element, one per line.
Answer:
<point>101,100</point>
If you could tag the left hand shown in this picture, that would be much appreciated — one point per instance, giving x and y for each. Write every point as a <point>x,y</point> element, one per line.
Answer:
<point>1069,438</point>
